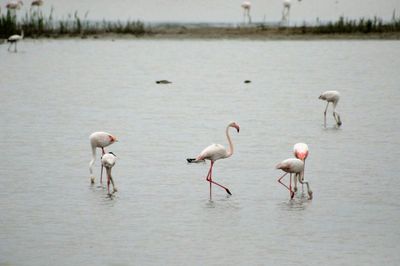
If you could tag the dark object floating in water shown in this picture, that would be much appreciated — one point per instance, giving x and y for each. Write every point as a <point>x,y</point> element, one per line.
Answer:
<point>247,81</point>
<point>163,81</point>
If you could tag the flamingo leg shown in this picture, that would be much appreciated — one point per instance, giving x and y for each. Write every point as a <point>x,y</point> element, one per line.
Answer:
<point>108,180</point>
<point>101,174</point>
<point>309,191</point>
<point>326,109</point>
<point>209,179</point>
<point>288,187</point>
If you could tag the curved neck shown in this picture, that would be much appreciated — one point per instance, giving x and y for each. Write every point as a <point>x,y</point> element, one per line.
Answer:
<point>230,149</point>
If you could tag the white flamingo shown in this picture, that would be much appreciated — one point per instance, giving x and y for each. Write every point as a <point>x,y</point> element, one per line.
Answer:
<point>286,11</point>
<point>215,152</point>
<point>246,5</point>
<point>99,140</point>
<point>108,161</point>
<point>331,97</point>
<point>292,166</point>
<point>13,39</point>
<point>300,151</point>
<point>14,5</point>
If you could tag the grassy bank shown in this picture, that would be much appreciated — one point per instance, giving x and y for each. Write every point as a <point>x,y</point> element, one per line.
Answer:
<point>35,24</point>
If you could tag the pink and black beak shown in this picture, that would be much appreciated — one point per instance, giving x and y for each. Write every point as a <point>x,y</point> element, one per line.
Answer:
<point>237,127</point>
<point>113,138</point>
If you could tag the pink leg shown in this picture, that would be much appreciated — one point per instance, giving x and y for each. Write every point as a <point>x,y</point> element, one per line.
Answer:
<point>101,175</point>
<point>209,179</point>
<point>289,188</point>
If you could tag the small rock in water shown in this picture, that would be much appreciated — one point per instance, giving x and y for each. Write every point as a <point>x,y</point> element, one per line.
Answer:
<point>247,81</point>
<point>163,81</point>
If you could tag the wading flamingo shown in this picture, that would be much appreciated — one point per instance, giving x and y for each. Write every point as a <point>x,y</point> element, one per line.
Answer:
<point>331,97</point>
<point>292,166</point>
<point>246,5</point>
<point>99,140</point>
<point>215,152</point>
<point>13,39</point>
<point>300,151</point>
<point>108,161</point>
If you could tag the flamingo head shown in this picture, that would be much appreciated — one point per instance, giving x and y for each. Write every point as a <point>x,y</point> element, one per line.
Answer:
<point>322,97</point>
<point>112,138</point>
<point>235,125</point>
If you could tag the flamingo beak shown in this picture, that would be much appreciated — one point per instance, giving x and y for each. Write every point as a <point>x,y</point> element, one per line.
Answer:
<point>237,128</point>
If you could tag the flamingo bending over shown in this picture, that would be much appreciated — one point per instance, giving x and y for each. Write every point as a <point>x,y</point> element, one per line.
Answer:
<point>14,39</point>
<point>300,151</point>
<point>215,152</point>
<point>108,161</point>
<point>331,97</point>
<point>99,140</point>
<point>292,166</point>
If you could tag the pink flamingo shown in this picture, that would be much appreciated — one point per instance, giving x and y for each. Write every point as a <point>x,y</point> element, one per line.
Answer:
<point>99,140</point>
<point>215,152</point>
<point>331,97</point>
<point>108,161</point>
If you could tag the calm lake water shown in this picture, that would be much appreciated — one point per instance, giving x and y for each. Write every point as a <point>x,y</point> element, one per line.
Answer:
<point>55,93</point>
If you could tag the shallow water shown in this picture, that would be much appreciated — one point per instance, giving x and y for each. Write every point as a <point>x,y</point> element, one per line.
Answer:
<point>55,93</point>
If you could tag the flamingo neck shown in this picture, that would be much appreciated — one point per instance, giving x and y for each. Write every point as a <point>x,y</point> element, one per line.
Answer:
<point>230,149</point>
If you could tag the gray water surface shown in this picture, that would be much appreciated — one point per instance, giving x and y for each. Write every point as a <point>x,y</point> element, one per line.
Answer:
<point>54,93</point>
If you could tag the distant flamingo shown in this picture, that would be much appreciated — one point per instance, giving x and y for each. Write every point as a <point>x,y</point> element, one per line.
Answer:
<point>215,152</point>
<point>292,165</point>
<point>13,5</point>
<point>108,161</point>
<point>246,5</point>
<point>37,3</point>
<point>331,97</point>
<point>286,11</point>
<point>300,151</point>
<point>14,39</point>
<point>99,140</point>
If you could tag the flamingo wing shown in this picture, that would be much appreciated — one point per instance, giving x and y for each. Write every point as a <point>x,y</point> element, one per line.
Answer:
<point>213,152</point>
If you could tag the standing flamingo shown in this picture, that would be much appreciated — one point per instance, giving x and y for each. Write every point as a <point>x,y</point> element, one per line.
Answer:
<point>246,5</point>
<point>286,11</point>
<point>14,39</point>
<point>215,152</point>
<point>331,97</point>
<point>99,140</point>
<point>108,161</point>
<point>300,151</point>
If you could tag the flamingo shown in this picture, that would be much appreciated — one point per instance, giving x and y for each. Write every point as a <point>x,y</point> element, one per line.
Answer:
<point>246,5</point>
<point>331,97</point>
<point>286,11</point>
<point>14,39</point>
<point>300,151</point>
<point>13,5</point>
<point>37,3</point>
<point>108,161</point>
<point>99,140</point>
<point>215,152</point>
<point>292,165</point>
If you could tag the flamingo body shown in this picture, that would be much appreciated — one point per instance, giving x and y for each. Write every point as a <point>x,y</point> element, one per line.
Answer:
<point>14,5</point>
<point>292,165</point>
<point>331,97</point>
<point>37,3</point>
